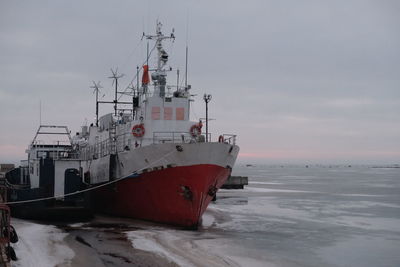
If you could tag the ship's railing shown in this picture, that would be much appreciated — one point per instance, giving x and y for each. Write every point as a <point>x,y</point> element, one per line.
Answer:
<point>97,150</point>
<point>54,151</point>
<point>229,138</point>
<point>124,142</point>
<point>106,147</point>
<point>67,155</point>
<point>173,137</point>
<point>185,137</point>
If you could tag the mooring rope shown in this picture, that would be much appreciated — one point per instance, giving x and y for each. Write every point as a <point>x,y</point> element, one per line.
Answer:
<point>87,189</point>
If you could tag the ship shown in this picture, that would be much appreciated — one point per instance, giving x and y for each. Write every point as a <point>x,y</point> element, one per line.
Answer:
<point>166,168</point>
<point>44,186</point>
<point>147,159</point>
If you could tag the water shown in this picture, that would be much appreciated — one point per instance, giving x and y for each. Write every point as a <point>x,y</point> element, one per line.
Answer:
<point>286,216</point>
<point>317,216</point>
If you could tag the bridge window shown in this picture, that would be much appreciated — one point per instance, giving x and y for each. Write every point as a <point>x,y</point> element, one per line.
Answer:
<point>155,113</point>
<point>168,113</point>
<point>180,114</point>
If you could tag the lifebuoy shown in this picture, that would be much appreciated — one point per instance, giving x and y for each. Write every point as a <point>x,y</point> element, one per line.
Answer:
<point>195,130</point>
<point>138,130</point>
<point>220,139</point>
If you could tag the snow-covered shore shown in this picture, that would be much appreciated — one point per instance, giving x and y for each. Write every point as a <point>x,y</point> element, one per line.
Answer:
<point>41,245</point>
<point>116,242</point>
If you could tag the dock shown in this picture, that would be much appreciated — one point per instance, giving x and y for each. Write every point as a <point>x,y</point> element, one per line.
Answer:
<point>236,182</point>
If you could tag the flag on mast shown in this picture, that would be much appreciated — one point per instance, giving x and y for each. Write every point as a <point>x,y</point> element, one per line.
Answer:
<point>145,77</point>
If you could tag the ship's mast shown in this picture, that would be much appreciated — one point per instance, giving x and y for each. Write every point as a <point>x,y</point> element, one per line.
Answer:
<point>159,76</point>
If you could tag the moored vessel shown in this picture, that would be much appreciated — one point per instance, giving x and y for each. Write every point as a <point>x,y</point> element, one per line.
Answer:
<point>164,168</point>
<point>44,186</point>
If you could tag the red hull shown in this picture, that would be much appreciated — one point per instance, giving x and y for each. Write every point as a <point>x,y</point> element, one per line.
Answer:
<point>177,196</point>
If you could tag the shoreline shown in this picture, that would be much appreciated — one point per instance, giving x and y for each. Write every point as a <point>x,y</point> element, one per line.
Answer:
<point>102,242</point>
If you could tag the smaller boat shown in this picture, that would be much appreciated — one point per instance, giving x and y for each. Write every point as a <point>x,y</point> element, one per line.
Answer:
<point>38,188</point>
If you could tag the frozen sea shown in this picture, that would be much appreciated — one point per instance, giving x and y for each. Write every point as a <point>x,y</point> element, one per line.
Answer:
<point>286,216</point>
<point>316,216</point>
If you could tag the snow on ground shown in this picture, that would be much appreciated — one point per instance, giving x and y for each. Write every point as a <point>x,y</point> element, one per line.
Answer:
<point>40,245</point>
<point>185,248</point>
<point>150,241</point>
<point>195,248</point>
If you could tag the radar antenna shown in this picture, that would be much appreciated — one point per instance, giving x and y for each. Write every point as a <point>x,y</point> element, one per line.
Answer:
<point>115,76</point>
<point>96,87</point>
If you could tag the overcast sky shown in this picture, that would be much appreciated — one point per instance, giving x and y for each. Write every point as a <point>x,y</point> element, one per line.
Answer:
<point>297,81</point>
